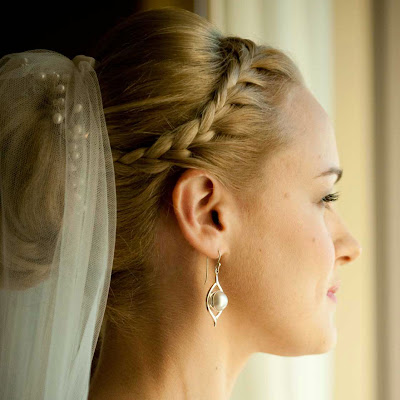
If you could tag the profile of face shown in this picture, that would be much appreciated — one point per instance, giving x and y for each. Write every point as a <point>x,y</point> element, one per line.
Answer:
<point>281,253</point>
<point>290,243</point>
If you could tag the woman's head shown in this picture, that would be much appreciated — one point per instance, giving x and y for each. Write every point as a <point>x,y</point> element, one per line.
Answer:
<point>213,136</point>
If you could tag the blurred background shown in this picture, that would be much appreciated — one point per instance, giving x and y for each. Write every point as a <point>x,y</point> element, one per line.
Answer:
<point>349,54</point>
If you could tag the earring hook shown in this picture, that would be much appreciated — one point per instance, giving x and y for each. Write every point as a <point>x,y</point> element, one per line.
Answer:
<point>206,270</point>
<point>219,258</point>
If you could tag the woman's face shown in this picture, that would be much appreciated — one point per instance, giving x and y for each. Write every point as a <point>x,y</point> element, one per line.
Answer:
<point>288,245</point>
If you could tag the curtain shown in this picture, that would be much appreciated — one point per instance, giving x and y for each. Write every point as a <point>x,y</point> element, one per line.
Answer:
<point>303,29</point>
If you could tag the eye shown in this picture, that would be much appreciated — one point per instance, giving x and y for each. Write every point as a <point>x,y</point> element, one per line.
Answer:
<point>330,197</point>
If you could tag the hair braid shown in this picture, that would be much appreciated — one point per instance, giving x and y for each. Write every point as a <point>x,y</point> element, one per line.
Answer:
<point>172,147</point>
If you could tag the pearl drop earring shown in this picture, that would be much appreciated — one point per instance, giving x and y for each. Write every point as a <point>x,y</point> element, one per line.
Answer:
<point>217,299</point>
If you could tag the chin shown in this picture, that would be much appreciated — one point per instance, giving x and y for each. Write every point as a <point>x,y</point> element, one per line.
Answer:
<point>296,346</point>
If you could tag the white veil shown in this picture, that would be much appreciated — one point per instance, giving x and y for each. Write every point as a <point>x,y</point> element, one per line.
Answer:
<point>57,224</point>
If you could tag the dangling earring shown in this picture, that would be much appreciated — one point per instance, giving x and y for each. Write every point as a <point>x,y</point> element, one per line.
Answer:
<point>217,299</point>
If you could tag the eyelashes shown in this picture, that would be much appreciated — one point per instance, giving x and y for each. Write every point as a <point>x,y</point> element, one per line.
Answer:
<point>330,197</point>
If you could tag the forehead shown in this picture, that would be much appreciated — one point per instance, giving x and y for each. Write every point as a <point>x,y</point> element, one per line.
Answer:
<point>313,147</point>
<point>314,142</point>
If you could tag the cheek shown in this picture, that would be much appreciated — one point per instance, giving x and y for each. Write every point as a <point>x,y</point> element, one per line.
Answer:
<point>310,246</point>
<point>319,254</point>
<point>299,235</point>
<point>284,258</point>
<point>317,240</point>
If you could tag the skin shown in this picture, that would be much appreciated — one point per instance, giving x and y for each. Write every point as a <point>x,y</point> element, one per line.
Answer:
<point>280,254</point>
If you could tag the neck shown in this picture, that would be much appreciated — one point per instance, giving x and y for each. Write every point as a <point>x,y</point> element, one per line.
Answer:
<point>182,357</point>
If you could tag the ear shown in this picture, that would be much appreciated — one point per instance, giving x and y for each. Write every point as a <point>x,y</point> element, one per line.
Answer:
<point>203,207</point>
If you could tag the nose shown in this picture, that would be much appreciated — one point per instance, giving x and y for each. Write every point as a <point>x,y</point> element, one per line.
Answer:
<point>348,249</point>
<point>352,251</point>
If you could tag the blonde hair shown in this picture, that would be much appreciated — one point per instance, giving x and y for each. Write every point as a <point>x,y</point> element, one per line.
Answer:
<point>178,94</point>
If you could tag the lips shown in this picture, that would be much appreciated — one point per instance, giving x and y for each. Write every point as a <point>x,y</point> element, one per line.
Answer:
<point>334,288</point>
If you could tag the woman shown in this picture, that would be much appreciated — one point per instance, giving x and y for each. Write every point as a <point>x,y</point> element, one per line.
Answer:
<point>220,152</point>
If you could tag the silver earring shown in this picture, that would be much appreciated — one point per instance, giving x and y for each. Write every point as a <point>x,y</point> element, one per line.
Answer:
<point>216,300</point>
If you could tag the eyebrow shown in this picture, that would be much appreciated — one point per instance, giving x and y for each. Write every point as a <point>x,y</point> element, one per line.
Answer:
<point>330,171</point>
